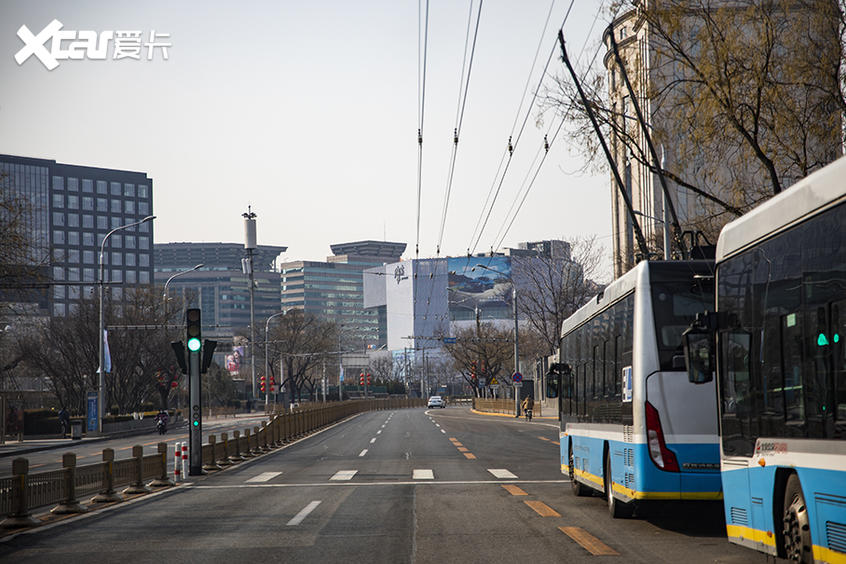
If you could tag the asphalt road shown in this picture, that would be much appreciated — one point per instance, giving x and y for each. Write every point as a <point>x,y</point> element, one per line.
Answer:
<point>389,486</point>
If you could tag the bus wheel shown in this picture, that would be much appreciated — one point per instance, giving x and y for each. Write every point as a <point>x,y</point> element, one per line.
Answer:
<point>616,508</point>
<point>797,529</point>
<point>579,489</point>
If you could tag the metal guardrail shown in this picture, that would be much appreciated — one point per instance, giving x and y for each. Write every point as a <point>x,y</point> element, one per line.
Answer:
<point>494,405</point>
<point>25,491</point>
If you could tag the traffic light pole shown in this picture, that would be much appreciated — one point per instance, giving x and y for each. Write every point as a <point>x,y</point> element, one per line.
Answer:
<point>195,435</point>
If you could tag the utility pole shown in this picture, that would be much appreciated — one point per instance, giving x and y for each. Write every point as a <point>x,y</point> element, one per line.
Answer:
<point>247,267</point>
<point>516,353</point>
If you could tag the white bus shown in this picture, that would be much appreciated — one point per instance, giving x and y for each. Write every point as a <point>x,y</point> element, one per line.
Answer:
<point>632,425</point>
<point>777,340</point>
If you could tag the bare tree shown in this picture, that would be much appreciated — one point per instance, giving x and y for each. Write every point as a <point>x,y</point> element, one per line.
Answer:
<point>549,290</point>
<point>482,353</point>
<point>299,340</point>
<point>746,97</point>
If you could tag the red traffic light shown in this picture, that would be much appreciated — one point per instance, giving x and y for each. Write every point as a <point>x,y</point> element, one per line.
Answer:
<point>173,384</point>
<point>368,379</point>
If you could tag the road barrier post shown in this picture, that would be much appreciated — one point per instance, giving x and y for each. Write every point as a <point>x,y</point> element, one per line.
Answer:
<point>248,449</point>
<point>108,493</point>
<point>210,464</point>
<point>223,460</point>
<point>69,503</point>
<point>177,458</point>
<point>236,440</point>
<point>163,481</point>
<point>137,486</point>
<point>20,516</point>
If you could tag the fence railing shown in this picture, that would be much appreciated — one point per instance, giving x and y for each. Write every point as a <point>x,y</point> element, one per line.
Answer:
<point>25,491</point>
<point>494,405</point>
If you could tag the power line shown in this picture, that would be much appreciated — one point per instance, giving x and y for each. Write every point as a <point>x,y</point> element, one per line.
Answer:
<point>421,100</point>
<point>459,114</point>
<point>512,146</point>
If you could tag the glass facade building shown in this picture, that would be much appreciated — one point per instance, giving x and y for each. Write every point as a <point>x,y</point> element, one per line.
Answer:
<point>71,209</point>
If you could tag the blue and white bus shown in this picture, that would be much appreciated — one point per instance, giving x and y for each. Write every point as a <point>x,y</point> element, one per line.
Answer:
<point>778,343</point>
<point>632,425</point>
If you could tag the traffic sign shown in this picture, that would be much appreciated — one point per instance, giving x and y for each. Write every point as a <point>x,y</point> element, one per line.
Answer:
<point>517,377</point>
<point>518,384</point>
<point>493,382</point>
<point>449,340</point>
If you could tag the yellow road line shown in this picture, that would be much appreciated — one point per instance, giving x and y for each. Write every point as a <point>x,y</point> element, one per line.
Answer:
<point>541,438</point>
<point>469,455</point>
<point>513,490</point>
<point>453,439</point>
<point>555,443</point>
<point>542,509</point>
<point>460,449</point>
<point>588,541</point>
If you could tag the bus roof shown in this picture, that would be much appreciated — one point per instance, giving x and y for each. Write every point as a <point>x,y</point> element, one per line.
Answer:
<point>825,187</point>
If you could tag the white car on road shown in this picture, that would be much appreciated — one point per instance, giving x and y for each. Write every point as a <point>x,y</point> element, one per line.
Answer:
<point>436,401</point>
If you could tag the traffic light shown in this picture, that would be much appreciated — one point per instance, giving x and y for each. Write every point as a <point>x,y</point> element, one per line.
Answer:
<point>368,379</point>
<point>272,384</point>
<point>195,416</point>
<point>361,379</point>
<point>192,327</point>
<point>208,353</point>
<point>179,351</point>
<point>262,383</point>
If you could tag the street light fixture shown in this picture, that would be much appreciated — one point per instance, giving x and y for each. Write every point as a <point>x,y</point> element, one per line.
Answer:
<point>267,362</point>
<point>197,267</point>
<point>102,329</point>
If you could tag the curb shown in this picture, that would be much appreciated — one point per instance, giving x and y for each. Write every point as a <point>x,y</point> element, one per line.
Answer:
<point>511,415</point>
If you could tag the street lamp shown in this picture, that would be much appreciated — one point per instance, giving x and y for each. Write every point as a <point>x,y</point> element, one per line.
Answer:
<point>102,357</point>
<point>516,337</point>
<point>267,362</point>
<point>164,294</point>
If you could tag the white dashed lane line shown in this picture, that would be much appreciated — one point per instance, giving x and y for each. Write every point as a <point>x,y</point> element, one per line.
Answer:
<point>343,475</point>
<point>362,453</point>
<point>423,474</point>
<point>373,440</point>
<point>298,518</point>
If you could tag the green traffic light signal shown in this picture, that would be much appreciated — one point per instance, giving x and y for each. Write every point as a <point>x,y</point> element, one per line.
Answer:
<point>193,344</point>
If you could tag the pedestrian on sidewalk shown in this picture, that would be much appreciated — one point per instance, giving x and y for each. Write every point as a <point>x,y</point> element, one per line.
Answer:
<point>64,421</point>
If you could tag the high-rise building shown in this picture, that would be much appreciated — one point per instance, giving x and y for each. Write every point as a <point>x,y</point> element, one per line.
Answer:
<point>333,289</point>
<point>220,288</point>
<point>70,208</point>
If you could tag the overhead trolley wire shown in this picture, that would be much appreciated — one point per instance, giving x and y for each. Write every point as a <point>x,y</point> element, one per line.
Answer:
<point>421,101</point>
<point>481,224</point>
<point>459,113</point>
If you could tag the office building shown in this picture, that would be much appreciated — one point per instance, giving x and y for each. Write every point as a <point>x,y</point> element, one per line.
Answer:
<point>70,208</point>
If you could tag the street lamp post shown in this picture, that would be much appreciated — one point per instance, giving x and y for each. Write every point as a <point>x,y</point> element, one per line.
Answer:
<point>102,329</point>
<point>267,362</point>
<point>164,293</point>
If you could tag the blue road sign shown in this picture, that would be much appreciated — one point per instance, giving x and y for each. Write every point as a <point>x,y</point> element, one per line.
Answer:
<point>449,340</point>
<point>92,411</point>
<point>516,377</point>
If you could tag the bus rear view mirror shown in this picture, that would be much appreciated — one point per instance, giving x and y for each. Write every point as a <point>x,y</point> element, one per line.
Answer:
<point>699,354</point>
<point>557,371</point>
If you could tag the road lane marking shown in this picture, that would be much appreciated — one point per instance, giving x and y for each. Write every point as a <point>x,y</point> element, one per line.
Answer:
<point>298,518</point>
<point>588,541</point>
<point>436,425</point>
<point>373,440</point>
<point>379,432</point>
<point>263,477</point>
<point>422,474</point>
<point>469,455</point>
<point>556,443</point>
<point>191,486</point>
<point>542,509</point>
<point>344,475</point>
<point>514,490</point>
<point>502,473</point>
<point>541,438</point>
<point>362,453</point>
<point>442,431</point>
<point>460,449</point>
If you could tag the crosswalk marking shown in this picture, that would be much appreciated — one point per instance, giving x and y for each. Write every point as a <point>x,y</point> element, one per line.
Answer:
<point>298,518</point>
<point>362,453</point>
<point>423,474</point>
<point>263,477</point>
<point>502,473</point>
<point>344,475</point>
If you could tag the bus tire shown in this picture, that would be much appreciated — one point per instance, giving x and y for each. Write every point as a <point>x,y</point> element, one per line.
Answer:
<point>579,489</point>
<point>797,528</point>
<point>617,508</point>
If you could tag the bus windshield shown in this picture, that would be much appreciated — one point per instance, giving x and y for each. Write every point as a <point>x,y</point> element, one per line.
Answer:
<point>675,305</point>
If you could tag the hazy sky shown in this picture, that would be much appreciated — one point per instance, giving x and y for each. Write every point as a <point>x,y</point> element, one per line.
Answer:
<point>308,112</point>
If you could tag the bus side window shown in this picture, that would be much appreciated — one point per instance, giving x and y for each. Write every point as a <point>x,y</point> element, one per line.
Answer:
<point>791,359</point>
